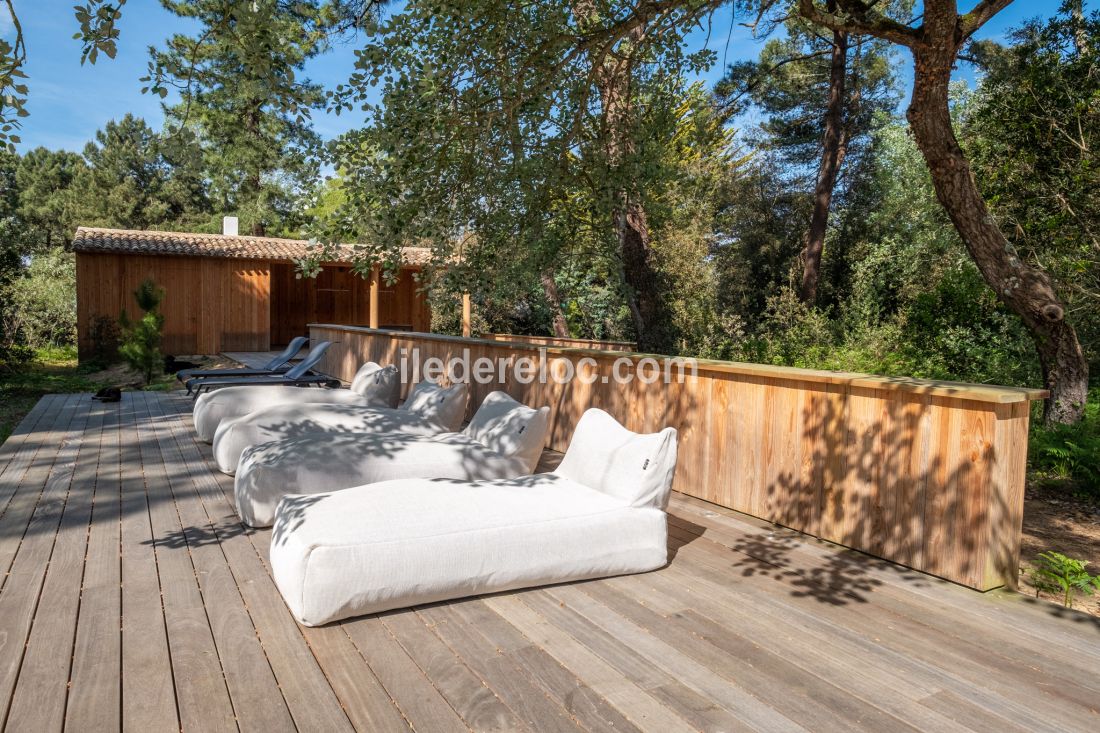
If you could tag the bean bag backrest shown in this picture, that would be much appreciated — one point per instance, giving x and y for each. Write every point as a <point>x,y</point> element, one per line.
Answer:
<point>443,406</point>
<point>634,467</point>
<point>380,385</point>
<point>510,428</point>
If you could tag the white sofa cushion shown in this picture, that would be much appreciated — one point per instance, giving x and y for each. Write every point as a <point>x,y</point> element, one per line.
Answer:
<point>289,421</point>
<point>445,406</point>
<point>636,468</point>
<point>379,385</point>
<point>373,386</point>
<point>413,541</point>
<point>510,428</point>
<point>322,462</point>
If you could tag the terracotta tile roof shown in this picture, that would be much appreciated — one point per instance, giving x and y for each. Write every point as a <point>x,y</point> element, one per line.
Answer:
<point>130,241</point>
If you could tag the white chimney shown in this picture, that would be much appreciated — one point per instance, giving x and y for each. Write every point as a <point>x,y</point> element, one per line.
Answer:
<point>229,226</point>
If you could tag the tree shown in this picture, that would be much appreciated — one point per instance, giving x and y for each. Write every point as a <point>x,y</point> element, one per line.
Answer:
<point>47,203</point>
<point>824,95</point>
<point>1032,132</point>
<point>136,179</point>
<point>39,307</point>
<point>500,136</point>
<point>1026,288</point>
<point>11,231</point>
<point>140,345</point>
<point>240,80</point>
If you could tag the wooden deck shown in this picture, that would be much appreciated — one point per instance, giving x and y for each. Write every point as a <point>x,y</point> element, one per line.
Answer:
<point>132,599</point>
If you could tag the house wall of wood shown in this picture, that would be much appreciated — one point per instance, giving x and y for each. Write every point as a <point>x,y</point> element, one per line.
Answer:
<point>219,304</point>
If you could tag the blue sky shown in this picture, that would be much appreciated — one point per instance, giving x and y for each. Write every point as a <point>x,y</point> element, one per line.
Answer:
<point>69,102</point>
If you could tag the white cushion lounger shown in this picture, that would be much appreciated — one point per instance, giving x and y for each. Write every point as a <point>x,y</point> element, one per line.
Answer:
<point>372,386</point>
<point>429,410</point>
<point>504,440</point>
<point>412,541</point>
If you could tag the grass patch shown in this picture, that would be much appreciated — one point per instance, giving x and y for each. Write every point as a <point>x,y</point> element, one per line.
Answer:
<point>53,370</point>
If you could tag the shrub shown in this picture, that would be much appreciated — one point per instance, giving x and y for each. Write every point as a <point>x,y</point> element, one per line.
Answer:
<point>141,338</point>
<point>13,357</point>
<point>39,307</point>
<point>1070,453</point>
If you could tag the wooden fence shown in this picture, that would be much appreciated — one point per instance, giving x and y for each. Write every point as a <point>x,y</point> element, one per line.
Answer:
<point>926,474</point>
<point>569,343</point>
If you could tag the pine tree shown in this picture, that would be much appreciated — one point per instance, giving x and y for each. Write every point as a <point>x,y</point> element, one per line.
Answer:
<point>140,345</point>
<point>239,79</point>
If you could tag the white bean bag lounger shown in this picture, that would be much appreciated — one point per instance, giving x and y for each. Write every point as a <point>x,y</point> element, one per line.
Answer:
<point>429,410</point>
<point>372,386</point>
<point>408,542</point>
<point>503,440</point>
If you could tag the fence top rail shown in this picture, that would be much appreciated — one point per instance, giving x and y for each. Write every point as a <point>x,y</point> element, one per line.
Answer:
<point>522,337</point>
<point>936,388</point>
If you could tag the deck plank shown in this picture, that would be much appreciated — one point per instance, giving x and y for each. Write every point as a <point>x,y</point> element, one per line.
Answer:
<point>131,582</point>
<point>95,691</point>
<point>514,688</point>
<point>307,694</point>
<point>39,700</point>
<point>46,486</point>
<point>257,699</point>
<point>413,693</point>
<point>148,687</point>
<point>202,695</point>
<point>475,703</point>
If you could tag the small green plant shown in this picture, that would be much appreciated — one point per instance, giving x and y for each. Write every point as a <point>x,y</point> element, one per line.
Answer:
<point>1056,573</point>
<point>140,345</point>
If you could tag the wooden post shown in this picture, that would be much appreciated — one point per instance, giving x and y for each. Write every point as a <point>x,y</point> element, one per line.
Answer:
<point>375,286</point>
<point>466,313</point>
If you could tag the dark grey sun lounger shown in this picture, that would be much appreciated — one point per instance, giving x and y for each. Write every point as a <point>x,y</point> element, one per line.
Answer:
<point>278,365</point>
<point>297,376</point>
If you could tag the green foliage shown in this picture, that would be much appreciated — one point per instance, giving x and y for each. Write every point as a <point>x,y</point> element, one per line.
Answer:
<point>139,179</point>
<point>39,307</point>
<point>1069,454</point>
<point>243,94</point>
<point>789,83</point>
<point>97,34</point>
<point>140,346</point>
<point>491,140</point>
<point>1033,135</point>
<point>47,204</point>
<point>1066,576</point>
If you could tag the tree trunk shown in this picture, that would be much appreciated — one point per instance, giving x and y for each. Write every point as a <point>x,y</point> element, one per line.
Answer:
<point>644,297</point>
<point>550,289</point>
<point>1027,290</point>
<point>254,180</point>
<point>834,148</point>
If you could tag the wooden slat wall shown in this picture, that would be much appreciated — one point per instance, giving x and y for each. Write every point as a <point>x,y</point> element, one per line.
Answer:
<point>210,305</point>
<point>338,295</point>
<point>928,475</point>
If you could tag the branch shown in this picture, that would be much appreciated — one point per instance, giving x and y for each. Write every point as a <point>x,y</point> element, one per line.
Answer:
<point>727,105</point>
<point>858,18</point>
<point>979,16</point>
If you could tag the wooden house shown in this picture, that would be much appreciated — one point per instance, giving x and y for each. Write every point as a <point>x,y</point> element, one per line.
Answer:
<point>234,293</point>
